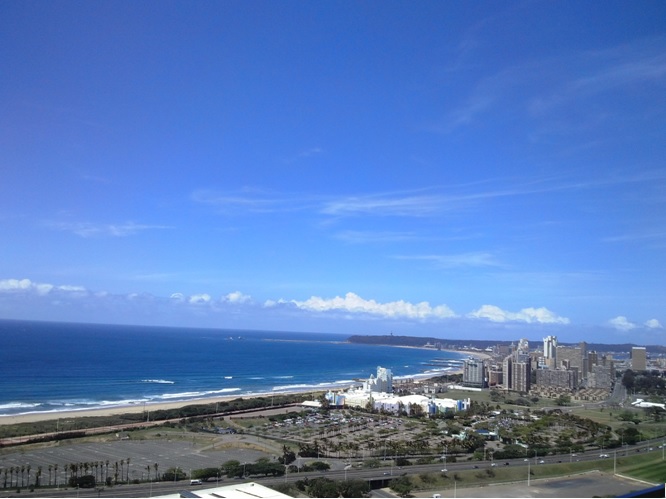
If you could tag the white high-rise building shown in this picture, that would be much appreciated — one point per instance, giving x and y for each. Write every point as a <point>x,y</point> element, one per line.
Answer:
<point>383,383</point>
<point>550,351</point>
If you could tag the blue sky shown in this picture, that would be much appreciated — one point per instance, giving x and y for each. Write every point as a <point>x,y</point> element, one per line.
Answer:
<point>457,169</point>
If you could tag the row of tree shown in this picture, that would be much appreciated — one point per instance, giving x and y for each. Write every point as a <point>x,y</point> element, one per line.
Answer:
<point>106,472</point>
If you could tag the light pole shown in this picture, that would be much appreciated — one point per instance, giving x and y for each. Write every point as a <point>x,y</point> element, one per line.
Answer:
<point>528,472</point>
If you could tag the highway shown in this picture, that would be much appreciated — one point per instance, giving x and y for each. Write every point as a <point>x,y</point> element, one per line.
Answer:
<point>383,474</point>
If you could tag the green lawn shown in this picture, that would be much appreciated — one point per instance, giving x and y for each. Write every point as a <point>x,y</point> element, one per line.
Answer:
<point>648,467</point>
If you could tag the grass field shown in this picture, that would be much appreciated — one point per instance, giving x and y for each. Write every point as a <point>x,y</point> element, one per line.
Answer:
<point>648,467</point>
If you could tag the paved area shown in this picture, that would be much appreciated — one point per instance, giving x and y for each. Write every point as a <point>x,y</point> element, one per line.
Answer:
<point>186,454</point>
<point>593,484</point>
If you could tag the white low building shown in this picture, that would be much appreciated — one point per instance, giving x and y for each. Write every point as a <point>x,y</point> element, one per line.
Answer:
<point>249,490</point>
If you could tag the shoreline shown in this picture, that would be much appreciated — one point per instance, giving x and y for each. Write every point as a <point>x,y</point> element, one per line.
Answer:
<point>32,417</point>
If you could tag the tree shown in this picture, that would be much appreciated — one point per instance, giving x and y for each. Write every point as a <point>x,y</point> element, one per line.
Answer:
<point>563,399</point>
<point>206,473</point>
<point>628,379</point>
<point>232,468</point>
<point>288,455</point>
<point>319,466</point>
<point>323,487</point>
<point>353,488</point>
<point>174,475</point>
<point>401,486</point>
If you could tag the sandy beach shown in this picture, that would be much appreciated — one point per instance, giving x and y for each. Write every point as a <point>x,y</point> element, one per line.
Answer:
<point>140,408</point>
<point>126,409</point>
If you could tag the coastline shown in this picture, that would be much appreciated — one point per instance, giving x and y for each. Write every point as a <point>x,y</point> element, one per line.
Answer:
<point>31,417</point>
<point>124,409</point>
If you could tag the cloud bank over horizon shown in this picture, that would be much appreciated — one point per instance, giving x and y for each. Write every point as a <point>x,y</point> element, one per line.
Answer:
<point>15,293</point>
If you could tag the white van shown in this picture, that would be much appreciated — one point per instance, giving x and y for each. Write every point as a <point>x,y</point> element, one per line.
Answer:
<point>195,482</point>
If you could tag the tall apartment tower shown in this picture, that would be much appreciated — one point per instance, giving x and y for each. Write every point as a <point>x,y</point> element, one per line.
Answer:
<point>517,369</point>
<point>550,351</point>
<point>638,359</point>
<point>474,373</point>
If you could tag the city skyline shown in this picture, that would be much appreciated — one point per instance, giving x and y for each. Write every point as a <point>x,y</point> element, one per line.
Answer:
<point>472,170</point>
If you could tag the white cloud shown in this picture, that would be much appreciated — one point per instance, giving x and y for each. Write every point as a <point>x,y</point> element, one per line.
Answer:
<point>200,299</point>
<point>237,297</point>
<point>530,315</point>
<point>26,285</point>
<point>15,284</point>
<point>67,287</point>
<point>178,297</point>
<point>622,324</point>
<point>353,303</point>
<point>653,324</point>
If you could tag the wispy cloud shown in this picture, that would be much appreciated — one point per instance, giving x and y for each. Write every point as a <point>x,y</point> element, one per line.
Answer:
<point>88,229</point>
<point>540,87</point>
<point>472,259</point>
<point>251,201</point>
<point>384,205</point>
<point>372,237</point>
<point>415,203</point>
<point>307,153</point>
<point>657,235</point>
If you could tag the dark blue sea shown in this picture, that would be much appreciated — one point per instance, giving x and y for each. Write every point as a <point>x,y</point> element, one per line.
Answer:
<point>46,366</point>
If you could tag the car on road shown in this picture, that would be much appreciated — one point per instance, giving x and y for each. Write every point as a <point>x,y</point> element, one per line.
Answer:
<point>444,470</point>
<point>493,464</point>
<point>603,456</point>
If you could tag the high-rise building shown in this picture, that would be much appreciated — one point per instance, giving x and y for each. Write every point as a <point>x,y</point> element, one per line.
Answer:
<point>474,373</point>
<point>382,383</point>
<point>521,375</point>
<point>638,359</point>
<point>550,351</point>
<point>557,378</point>
<point>600,377</point>
<point>517,369</point>
<point>572,358</point>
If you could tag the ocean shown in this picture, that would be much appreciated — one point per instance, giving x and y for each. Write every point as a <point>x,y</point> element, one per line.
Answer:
<point>49,367</point>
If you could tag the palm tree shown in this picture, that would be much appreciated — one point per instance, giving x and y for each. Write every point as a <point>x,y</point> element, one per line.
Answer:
<point>128,469</point>
<point>157,477</point>
<point>148,470</point>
